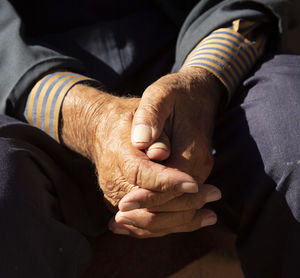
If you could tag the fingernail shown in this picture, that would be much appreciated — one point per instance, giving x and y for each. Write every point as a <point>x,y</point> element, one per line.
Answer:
<point>121,218</point>
<point>125,221</point>
<point>142,134</point>
<point>158,145</point>
<point>121,231</point>
<point>210,220</point>
<point>189,187</point>
<point>213,196</point>
<point>126,206</point>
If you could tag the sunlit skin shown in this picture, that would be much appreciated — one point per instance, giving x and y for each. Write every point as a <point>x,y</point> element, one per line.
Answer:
<point>157,185</point>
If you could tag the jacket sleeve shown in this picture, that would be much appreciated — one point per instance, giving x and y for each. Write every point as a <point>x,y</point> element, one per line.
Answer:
<point>230,53</point>
<point>209,15</point>
<point>23,63</point>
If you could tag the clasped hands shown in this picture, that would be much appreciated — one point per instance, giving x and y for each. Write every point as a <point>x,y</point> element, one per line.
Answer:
<point>152,154</point>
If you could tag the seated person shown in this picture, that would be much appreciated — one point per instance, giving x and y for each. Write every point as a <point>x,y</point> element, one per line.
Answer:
<point>92,80</point>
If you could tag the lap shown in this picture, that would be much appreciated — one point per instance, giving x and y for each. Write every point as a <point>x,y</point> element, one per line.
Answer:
<point>40,203</point>
<point>257,167</point>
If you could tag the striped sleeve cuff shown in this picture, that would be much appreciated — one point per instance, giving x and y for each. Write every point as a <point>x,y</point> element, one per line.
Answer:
<point>45,100</point>
<point>229,53</point>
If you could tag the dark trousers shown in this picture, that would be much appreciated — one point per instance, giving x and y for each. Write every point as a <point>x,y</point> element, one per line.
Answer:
<point>257,167</point>
<point>48,194</point>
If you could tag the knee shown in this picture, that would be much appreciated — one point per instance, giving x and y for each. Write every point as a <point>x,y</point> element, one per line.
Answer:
<point>22,180</point>
<point>272,111</point>
<point>8,159</point>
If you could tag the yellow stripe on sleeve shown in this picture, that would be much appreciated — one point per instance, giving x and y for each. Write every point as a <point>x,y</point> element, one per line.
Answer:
<point>41,99</point>
<point>30,102</point>
<point>228,53</point>
<point>49,102</point>
<point>45,100</point>
<point>59,103</point>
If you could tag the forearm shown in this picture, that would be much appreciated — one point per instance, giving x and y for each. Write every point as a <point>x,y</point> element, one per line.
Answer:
<point>81,106</point>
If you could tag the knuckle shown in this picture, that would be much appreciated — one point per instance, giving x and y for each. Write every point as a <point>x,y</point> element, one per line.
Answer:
<point>145,177</point>
<point>140,233</point>
<point>148,199</point>
<point>151,108</point>
<point>189,202</point>
<point>149,221</point>
<point>156,199</point>
<point>158,90</point>
<point>195,201</point>
<point>127,116</point>
<point>151,178</point>
<point>128,165</point>
<point>199,202</point>
<point>150,113</point>
<point>187,216</point>
<point>165,182</point>
<point>115,189</point>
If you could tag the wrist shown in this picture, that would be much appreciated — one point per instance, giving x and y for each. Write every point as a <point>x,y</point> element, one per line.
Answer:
<point>82,112</point>
<point>202,81</point>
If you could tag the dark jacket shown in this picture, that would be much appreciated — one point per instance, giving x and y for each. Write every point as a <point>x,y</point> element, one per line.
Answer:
<point>35,35</point>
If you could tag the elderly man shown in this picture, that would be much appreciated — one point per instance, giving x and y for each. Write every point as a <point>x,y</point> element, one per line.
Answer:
<point>160,151</point>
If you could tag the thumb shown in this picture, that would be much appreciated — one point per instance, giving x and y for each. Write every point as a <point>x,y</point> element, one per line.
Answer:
<point>150,117</point>
<point>160,149</point>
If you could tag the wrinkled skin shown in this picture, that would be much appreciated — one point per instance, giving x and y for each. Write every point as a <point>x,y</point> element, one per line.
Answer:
<point>98,126</point>
<point>183,104</point>
<point>155,199</point>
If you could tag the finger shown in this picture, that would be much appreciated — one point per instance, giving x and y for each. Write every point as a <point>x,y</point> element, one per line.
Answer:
<point>149,119</point>
<point>156,201</point>
<point>159,221</point>
<point>141,171</point>
<point>122,229</point>
<point>144,198</point>
<point>137,170</point>
<point>160,149</point>
<point>201,218</point>
<point>206,194</point>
